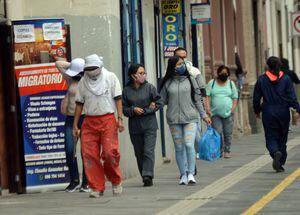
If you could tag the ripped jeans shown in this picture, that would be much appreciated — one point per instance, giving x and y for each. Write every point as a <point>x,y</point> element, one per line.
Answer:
<point>184,138</point>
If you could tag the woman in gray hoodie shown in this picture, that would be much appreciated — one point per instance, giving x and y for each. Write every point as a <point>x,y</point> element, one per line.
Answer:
<point>181,94</point>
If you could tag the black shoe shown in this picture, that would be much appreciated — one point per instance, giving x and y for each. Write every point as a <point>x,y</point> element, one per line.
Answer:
<point>72,187</point>
<point>276,161</point>
<point>281,169</point>
<point>84,188</point>
<point>147,181</point>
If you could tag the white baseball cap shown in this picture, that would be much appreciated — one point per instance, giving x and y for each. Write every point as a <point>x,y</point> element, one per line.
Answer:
<point>77,66</point>
<point>93,61</point>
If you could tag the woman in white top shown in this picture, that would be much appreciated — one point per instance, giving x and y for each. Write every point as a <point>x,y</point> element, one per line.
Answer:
<point>72,73</point>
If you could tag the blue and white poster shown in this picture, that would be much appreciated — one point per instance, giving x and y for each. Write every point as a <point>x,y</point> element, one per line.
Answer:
<point>170,19</point>
<point>200,13</point>
<point>170,33</point>
<point>41,89</point>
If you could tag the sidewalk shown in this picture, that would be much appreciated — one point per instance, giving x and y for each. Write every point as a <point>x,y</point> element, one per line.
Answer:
<point>244,188</point>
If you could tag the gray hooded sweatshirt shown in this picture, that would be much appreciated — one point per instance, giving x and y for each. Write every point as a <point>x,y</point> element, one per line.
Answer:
<point>141,97</point>
<point>176,94</point>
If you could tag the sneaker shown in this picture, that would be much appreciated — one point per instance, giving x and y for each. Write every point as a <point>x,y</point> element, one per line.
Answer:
<point>227,155</point>
<point>281,169</point>
<point>221,154</point>
<point>183,180</point>
<point>72,187</point>
<point>147,181</point>
<point>191,179</point>
<point>276,161</point>
<point>117,189</point>
<point>84,188</point>
<point>95,194</point>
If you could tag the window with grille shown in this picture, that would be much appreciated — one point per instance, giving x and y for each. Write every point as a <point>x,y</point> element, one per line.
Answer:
<point>132,35</point>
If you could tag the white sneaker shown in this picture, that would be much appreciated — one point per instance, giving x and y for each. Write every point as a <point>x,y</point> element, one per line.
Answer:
<point>117,189</point>
<point>95,194</point>
<point>191,179</point>
<point>183,180</point>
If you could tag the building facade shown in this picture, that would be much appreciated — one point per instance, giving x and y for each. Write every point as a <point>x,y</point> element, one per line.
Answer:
<point>132,31</point>
<point>123,32</point>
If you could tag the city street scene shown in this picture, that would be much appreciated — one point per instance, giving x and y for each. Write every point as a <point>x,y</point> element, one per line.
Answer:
<point>149,107</point>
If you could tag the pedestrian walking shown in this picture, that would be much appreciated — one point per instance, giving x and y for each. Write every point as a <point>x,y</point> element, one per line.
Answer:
<point>278,94</point>
<point>181,94</point>
<point>285,68</point>
<point>195,72</point>
<point>222,97</point>
<point>140,102</point>
<point>99,91</point>
<point>72,73</point>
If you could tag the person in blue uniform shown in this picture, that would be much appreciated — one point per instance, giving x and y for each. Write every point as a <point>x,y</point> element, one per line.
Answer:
<point>278,93</point>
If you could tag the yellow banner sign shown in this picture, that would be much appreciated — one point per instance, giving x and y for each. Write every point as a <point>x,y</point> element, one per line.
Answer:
<point>170,6</point>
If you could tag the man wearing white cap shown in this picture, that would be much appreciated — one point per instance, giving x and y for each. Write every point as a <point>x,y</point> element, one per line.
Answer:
<point>72,73</point>
<point>100,93</point>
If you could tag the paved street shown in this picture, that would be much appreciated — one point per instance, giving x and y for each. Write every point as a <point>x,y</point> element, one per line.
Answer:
<point>224,187</point>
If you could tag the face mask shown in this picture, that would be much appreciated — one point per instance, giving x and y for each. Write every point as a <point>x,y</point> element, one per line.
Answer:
<point>94,73</point>
<point>140,78</point>
<point>181,69</point>
<point>223,77</point>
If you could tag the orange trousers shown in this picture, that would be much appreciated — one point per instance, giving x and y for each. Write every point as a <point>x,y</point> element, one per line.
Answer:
<point>100,150</point>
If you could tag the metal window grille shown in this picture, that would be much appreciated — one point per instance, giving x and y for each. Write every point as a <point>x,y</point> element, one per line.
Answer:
<point>132,35</point>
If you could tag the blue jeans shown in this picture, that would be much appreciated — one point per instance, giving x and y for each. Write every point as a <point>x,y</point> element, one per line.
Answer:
<point>224,127</point>
<point>184,138</point>
<point>70,151</point>
<point>198,134</point>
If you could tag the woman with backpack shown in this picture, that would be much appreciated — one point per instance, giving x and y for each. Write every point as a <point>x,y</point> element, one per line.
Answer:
<point>222,98</point>
<point>181,94</point>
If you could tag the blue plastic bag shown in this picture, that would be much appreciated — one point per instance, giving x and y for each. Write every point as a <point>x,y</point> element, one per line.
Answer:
<point>209,145</point>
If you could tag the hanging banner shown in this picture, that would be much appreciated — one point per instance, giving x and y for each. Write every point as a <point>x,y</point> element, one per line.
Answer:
<point>170,32</point>
<point>200,13</point>
<point>170,18</point>
<point>41,89</point>
<point>170,6</point>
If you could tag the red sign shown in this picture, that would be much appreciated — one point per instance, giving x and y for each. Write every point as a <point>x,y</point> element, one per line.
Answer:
<point>33,79</point>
